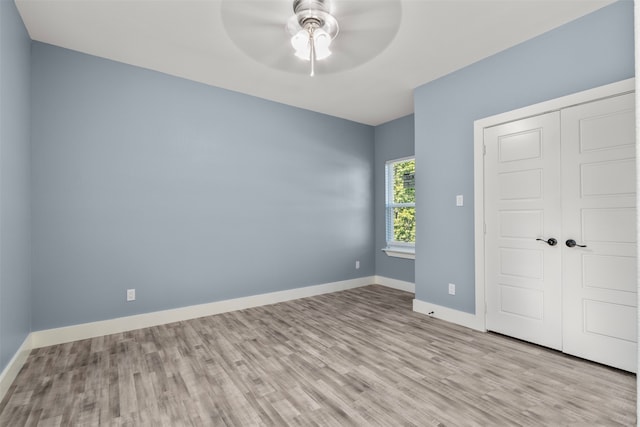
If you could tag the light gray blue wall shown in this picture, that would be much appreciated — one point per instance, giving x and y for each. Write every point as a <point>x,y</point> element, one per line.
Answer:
<point>15,248</point>
<point>393,140</point>
<point>185,192</point>
<point>589,52</point>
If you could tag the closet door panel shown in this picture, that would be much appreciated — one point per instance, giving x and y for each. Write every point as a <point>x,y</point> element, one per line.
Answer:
<point>599,213</point>
<point>522,204</point>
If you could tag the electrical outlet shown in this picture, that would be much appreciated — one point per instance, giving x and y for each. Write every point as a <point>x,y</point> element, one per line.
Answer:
<point>357,265</point>
<point>459,200</point>
<point>131,294</point>
<point>452,289</point>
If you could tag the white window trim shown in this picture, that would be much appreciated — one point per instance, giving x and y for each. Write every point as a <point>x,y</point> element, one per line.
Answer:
<point>408,252</point>
<point>394,248</point>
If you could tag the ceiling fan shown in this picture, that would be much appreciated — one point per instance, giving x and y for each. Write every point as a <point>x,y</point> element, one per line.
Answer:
<point>301,36</point>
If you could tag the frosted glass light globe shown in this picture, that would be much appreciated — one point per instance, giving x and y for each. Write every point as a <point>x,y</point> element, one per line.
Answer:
<point>302,46</point>
<point>300,41</point>
<point>322,41</point>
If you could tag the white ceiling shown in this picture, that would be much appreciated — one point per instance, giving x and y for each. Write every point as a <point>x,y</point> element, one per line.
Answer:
<point>187,38</point>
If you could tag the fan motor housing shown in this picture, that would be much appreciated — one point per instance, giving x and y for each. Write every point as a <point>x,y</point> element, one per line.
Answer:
<point>314,14</point>
<point>310,5</point>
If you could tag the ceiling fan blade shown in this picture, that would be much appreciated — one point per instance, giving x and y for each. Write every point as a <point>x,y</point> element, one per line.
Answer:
<point>288,62</point>
<point>376,38</point>
<point>367,10</point>
<point>246,12</point>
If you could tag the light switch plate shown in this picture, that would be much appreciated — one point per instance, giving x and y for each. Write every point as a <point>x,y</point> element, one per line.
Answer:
<point>452,289</point>
<point>459,200</point>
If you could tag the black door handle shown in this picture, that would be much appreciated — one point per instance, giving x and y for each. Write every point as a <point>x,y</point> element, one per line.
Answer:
<point>571,243</point>
<point>550,242</point>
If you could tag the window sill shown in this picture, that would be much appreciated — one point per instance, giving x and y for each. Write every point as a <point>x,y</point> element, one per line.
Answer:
<point>396,252</point>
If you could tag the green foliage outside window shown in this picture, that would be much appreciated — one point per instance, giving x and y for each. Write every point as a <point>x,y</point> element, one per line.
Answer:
<point>404,191</point>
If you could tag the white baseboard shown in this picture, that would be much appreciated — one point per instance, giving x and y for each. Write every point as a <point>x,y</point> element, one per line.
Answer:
<point>66,334</point>
<point>10,372</point>
<point>450,315</point>
<point>121,324</point>
<point>395,284</point>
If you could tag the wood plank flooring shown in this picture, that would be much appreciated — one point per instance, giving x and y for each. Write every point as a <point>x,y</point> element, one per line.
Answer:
<point>358,357</point>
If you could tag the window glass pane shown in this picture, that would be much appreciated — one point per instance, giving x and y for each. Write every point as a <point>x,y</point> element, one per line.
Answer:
<point>404,188</point>
<point>400,190</point>
<point>404,224</point>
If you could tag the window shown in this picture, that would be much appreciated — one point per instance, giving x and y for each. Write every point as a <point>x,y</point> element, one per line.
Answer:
<point>401,207</point>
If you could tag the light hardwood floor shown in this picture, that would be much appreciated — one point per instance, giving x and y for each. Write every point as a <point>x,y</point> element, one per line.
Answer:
<point>358,357</point>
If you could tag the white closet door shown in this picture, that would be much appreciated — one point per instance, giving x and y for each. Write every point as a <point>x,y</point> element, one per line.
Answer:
<point>522,204</point>
<point>599,211</point>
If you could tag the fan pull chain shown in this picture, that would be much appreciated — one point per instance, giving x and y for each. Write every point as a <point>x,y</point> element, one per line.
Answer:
<point>312,52</point>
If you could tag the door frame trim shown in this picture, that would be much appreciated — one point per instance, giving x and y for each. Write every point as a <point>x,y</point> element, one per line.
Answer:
<point>607,91</point>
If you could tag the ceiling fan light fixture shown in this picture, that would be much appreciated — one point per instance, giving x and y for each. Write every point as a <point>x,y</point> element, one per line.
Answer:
<point>264,30</point>
<point>312,29</point>
<point>301,43</point>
